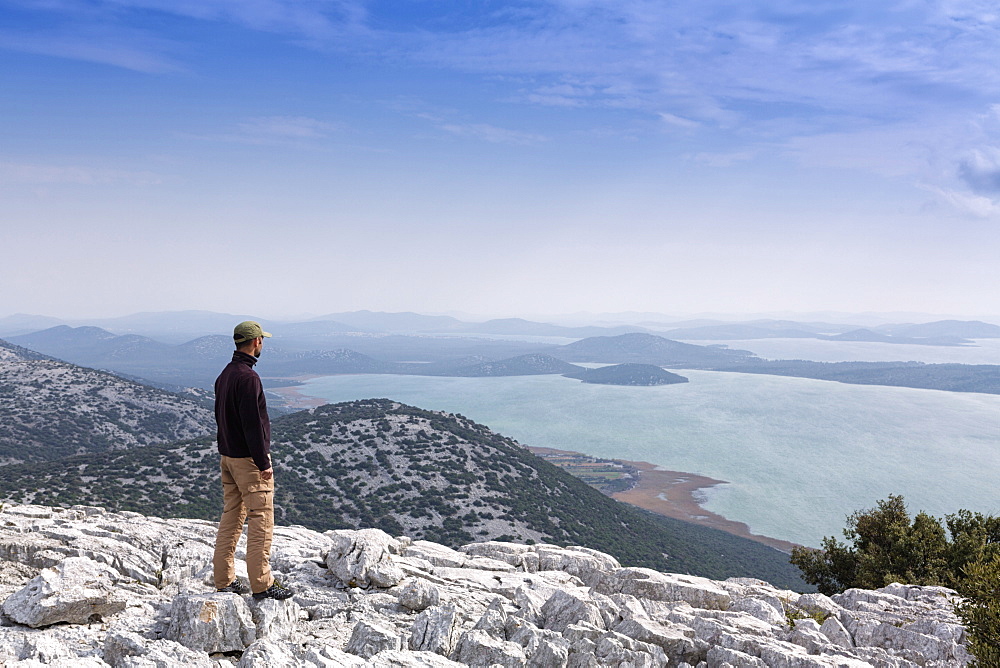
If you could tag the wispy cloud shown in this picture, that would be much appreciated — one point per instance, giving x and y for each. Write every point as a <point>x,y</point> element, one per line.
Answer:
<point>722,159</point>
<point>128,49</point>
<point>981,171</point>
<point>38,174</point>
<point>492,134</point>
<point>113,32</point>
<point>276,130</point>
<point>968,204</point>
<point>677,121</point>
<point>287,127</point>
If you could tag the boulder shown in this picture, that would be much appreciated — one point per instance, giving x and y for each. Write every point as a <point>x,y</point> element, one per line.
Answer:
<point>818,605</point>
<point>417,594</point>
<point>269,654</point>
<point>211,622</point>
<point>124,648</point>
<point>566,607</point>
<point>551,653</point>
<point>364,558</point>
<point>615,649</point>
<point>806,634</point>
<point>674,643</point>
<point>438,555</point>
<point>273,619</point>
<point>370,637</point>
<point>478,648</point>
<point>647,583</point>
<point>77,590</point>
<point>760,609</point>
<point>331,657</point>
<point>394,658</point>
<point>836,633</point>
<point>584,563</point>
<point>435,630</point>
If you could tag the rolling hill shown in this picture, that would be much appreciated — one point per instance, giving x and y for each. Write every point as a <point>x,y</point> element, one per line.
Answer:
<point>378,463</point>
<point>51,409</point>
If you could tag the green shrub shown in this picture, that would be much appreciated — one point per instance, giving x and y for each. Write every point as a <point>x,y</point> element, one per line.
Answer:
<point>886,546</point>
<point>980,610</point>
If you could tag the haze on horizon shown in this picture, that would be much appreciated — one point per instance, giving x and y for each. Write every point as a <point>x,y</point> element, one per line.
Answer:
<point>502,158</point>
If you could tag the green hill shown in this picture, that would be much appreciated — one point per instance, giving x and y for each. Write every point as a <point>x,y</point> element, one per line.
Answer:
<point>430,475</point>
<point>51,409</point>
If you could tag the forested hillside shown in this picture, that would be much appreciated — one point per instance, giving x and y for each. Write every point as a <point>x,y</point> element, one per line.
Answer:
<point>51,409</point>
<point>378,463</point>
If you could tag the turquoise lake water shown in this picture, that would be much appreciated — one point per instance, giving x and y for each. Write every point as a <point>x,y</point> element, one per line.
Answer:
<point>799,455</point>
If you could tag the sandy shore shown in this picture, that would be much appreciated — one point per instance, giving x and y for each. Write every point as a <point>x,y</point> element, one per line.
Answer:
<point>293,398</point>
<point>675,494</point>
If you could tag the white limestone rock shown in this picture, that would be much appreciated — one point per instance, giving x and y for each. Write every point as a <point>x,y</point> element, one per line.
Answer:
<point>438,555</point>
<point>566,607</point>
<point>273,619</point>
<point>269,654</point>
<point>616,649</point>
<point>760,609</point>
<point>676,645</point>
<point>647,583</point>
<point>417,594</point>
<point>395,658</point>
<point>211,622</point>
<point>836,633</point>
<point>54,645</point>
<point>806,634</point>
<point>478,648</point>
<point>724,656</point>
<point>818,604</point>
<point>326,656</point>
<point>550,653</point>
<point>584,563</point>
<point>435,630</point>
<point>370,637</point>
<point>629,617</point>
<point>125,648</point>
<point>364,558</point>
<point>75,591</point>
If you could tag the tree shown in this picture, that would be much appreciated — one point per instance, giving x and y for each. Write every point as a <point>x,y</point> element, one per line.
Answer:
<point>885,546</point>
<point>980,609</point>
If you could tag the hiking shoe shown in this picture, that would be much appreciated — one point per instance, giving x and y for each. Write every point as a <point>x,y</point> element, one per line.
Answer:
<point>275,591</point>
<point>235,587</point>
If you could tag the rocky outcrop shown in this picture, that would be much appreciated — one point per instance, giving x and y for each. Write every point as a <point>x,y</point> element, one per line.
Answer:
<point>88,587</point>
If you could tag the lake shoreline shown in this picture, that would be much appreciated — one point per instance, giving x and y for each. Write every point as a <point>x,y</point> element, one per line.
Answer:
<point>675,494</point>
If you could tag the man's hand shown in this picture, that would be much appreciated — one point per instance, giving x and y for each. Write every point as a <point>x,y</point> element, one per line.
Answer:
<point>267,474</point>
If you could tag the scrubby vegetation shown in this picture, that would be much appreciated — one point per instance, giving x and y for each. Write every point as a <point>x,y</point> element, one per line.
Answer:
<point>51,409</point>
<point>430,475</point>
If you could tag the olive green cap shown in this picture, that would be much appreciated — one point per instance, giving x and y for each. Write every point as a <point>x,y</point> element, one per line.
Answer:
<point>248,330</point>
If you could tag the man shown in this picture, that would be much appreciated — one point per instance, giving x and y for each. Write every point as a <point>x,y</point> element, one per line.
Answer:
<point>247,476</point>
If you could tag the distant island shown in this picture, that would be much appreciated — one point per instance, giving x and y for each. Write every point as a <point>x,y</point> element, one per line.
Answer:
<point>627,374</point>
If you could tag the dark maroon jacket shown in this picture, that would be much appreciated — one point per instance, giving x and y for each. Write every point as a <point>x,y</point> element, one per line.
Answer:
<point>241,412</point>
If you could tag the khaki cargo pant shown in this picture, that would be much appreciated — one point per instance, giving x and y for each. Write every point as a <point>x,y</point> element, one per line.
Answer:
<point>245,497</point>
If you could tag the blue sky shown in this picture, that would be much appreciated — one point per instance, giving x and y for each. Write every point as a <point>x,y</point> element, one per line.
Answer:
<point>283,157</point>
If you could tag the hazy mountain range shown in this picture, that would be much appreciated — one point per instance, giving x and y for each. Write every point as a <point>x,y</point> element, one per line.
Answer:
<point>196,363</point>
<point>181,326</point>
